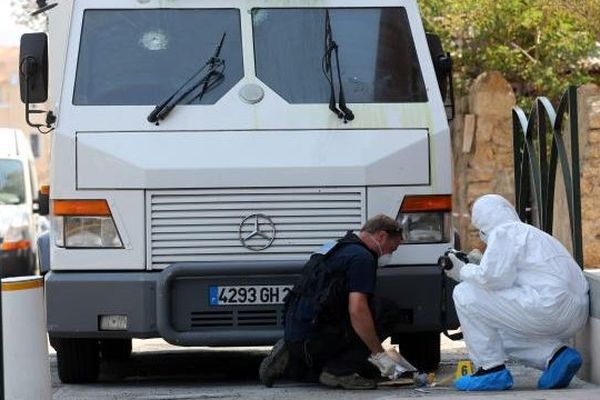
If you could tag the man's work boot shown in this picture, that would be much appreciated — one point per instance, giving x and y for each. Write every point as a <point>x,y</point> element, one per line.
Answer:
<point>561,369</point>
<point>273,366</point>
<point>351,382</point>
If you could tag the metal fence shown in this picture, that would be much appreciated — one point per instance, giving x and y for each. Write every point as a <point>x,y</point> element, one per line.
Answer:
<point>539,143</point>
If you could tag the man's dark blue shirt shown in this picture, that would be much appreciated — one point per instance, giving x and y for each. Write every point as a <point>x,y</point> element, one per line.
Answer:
<point>360,269</point>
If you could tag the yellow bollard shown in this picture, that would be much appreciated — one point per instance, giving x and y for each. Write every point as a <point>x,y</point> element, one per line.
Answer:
<point>464,367</point>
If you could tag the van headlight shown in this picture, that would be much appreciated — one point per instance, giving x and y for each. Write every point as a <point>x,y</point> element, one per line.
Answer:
<point>425,219</point>
<point>84,224</point>
<point>424,227</point>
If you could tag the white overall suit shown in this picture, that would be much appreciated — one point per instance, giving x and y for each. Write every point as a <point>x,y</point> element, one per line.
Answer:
<point>525,299</point>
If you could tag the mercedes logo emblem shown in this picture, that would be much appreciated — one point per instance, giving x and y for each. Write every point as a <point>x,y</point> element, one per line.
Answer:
<point>257,232</point>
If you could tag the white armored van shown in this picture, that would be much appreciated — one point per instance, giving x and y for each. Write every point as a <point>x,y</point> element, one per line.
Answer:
<point>18,193</point>
<point>203,149</point>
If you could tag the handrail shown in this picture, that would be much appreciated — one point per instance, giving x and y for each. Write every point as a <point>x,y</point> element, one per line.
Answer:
<point>535,175</point>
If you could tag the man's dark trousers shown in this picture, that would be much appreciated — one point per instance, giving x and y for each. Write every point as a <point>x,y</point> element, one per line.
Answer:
<point>338,350</point>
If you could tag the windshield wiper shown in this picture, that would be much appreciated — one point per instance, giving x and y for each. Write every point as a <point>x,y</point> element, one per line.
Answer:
<point>213,77</point>
<point>331,46</point>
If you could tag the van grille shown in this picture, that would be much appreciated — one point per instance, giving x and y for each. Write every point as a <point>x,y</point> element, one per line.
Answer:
<point>248,318</point>
<point>204,225</point>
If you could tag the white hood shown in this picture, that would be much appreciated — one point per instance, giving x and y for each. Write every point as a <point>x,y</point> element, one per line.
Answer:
<point>491,211</point>
<point>162,160</point>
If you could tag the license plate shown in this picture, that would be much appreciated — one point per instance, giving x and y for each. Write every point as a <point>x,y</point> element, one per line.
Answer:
<point>247,295</point>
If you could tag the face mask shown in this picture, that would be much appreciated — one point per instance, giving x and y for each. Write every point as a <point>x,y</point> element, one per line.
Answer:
<point>384,260</point>
<point>483,236</point>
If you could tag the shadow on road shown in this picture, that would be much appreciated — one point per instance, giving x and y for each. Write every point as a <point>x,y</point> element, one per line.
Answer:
<point>201,365</point>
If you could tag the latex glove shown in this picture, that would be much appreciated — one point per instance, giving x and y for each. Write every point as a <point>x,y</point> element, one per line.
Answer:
<point>391,364</point>
<point>457,265</point>
<point>402,364</point>
<point>385,364</point>
<point>475,256</point>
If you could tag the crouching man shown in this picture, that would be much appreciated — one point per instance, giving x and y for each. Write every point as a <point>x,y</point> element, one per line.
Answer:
<point>525,300</point>
<point>333,325</point>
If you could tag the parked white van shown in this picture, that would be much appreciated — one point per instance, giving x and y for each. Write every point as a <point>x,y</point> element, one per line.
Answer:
<point>18,187</point>
<point>203,149</point>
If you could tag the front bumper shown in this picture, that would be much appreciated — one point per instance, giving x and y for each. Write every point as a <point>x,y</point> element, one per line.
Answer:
<point>173,304</point>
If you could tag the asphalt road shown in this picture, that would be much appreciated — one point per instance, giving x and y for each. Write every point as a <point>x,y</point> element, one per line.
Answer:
<point>159,371</point>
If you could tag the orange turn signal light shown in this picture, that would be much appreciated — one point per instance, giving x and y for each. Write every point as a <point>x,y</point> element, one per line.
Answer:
<point>12,246</point>
<point>87,208</point>
<point>426,203</point>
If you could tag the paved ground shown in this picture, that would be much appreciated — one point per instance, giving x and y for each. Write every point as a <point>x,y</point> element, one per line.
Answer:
<point>158,371</point>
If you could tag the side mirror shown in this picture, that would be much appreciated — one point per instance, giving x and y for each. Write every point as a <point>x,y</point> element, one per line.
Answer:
<point>33,75</point>
<point>33,68</point>
<point>442,62</point>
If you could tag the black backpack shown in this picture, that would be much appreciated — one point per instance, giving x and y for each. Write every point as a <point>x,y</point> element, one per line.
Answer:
<point>327,289</point>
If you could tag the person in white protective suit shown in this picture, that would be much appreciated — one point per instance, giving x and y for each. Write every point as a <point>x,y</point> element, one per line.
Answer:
<point>525,300</point>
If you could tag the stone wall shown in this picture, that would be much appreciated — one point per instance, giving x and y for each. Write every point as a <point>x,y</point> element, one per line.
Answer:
<point>483,160</point>
<point>589,145</point>
<point>482,149</point>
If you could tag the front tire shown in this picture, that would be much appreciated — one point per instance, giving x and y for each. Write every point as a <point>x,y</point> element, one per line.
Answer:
<point>421,349</point>
<point>78,360</point>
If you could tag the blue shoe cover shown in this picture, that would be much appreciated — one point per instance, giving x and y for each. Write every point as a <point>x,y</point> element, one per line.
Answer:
<point>561,370</point>
<point>501,380</point>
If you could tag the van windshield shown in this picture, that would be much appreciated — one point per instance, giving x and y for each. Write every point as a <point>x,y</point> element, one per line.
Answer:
<point>140,57</point>
<point>377,56</point>
<point>12,182</point>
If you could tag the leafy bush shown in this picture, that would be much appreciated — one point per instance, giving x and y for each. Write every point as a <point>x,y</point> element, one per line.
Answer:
<point>539,45</point>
